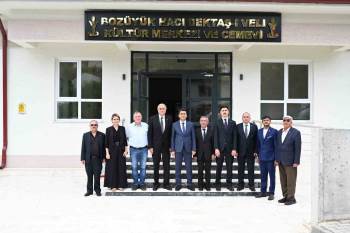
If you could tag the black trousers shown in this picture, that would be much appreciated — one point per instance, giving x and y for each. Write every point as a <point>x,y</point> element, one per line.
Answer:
<point>93,171</point>
<point>219,162</point>
<point>204,164</point>
<point>242,161</point>
<point>163,155</point>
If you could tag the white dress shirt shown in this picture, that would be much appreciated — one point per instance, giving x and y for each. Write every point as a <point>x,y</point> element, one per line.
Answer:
<point>184,126</point>
<point>248,128</point>
<point>265,130</point>
<point>206,131</point>
<point>160,120</point>
<point>137,135</point>
<point>284,134</point>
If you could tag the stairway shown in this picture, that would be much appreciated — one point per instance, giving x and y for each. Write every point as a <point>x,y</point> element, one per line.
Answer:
<point>185,192</point>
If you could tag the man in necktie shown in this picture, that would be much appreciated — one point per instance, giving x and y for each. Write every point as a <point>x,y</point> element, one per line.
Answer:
<point>247,151</point>
<point>225,144</point>
<point>183,147</point>
<point>204,152</point>
<point>159,137</point>
<point>266,157</point>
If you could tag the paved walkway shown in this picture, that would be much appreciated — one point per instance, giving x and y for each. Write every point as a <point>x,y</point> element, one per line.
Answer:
<point>51,200</point>
<point>333,227</point>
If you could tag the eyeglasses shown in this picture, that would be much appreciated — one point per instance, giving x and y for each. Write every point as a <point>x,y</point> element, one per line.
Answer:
<point>287,120</point>
<point>93,124</point>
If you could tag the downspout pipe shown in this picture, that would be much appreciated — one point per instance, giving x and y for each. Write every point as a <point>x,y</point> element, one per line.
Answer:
<point>4,95</point>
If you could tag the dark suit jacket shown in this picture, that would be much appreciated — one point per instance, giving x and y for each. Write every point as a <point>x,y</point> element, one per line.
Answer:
<point>289,151</point>
<point>247,146</point>
<point>156,139</point>
<point>266,146</point>
<point>86,146</point>
<point>225,138</point>
<point>111,136</point>
<point>205,148</point>
<point>183,141</point>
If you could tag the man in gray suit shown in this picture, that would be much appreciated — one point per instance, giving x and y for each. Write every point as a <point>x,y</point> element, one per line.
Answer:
<point>288,149</point>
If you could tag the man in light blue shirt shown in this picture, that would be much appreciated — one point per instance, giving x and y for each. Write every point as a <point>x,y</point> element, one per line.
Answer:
<point>137,137</point>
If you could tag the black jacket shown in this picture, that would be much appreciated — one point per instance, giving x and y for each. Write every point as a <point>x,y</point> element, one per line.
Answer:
<point>225,138</point>
<point>86,146</point>
<point>156,139</point>
<point>289,151</point>
<point>205,147</point>
<point>247,146</point>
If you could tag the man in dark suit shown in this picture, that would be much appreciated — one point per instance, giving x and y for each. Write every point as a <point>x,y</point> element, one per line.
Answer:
<point>204,152</point>
<point>159,137</point>
<point>92,155</point>
<point>225,144</point>
<point>183,147</point>
<point>266,157</point>
<point>247,151</point>
<point>288,150</point>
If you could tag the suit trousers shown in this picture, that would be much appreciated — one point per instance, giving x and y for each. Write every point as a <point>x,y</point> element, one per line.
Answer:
<point>288,178</point>
<point>242,160</point>
<point>267,169</point>
<point>224,155</point>
<point>93,171</point>
<point>163,155</point>
<point>187,157</point>
<point>204,164</point>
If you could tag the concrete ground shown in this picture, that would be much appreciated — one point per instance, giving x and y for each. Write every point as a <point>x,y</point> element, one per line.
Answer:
<point>51,200</point>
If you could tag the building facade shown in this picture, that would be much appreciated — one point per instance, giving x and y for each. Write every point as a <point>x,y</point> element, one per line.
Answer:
<point>70,62</point>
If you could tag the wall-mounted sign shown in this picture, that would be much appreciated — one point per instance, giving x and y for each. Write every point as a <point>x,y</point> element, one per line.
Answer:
<point>22,108</point>
<point>182,26</point>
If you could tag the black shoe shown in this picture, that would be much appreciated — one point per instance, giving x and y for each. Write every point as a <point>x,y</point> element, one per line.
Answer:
<point>240,188</point>
<point>134,187</point>
<point>143,187</point>
<point>290,202</point>
<point>190,187</point>
<point>155,187</point>
<point>271,197</point>
<point>178,187</point>
<point>98,193</point>
<point>87,194</point>
<point>283,200</point>
<point>207,187</point>
<point>259,195</point>
<point>231,188</point>
<point>168,187</point>
<point>218,187</point>
<point>252,188</point>
<point>200,188</point>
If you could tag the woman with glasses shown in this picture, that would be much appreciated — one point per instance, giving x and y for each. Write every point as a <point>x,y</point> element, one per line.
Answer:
<point>116,151</point>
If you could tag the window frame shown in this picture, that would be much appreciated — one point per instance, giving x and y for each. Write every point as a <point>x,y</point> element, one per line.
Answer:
<point>286,100</point>
<point>78,98</point>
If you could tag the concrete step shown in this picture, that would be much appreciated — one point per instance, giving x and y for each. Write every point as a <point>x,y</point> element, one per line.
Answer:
<point>182,192</point>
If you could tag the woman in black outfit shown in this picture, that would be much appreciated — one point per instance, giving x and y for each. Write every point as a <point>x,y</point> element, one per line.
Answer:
<point>116,151</point>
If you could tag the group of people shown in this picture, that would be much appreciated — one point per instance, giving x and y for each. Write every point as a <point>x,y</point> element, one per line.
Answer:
<point>224,140</point>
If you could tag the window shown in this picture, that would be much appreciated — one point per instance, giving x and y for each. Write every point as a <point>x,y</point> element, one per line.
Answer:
<point>79,90</point>
<point>285,90</point>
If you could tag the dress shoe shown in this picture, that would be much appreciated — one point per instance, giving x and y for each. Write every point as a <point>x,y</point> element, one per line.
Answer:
<point>155,187</point>
<point>283,200</point>
<point>240,188</point>
<point>230,188</point>
<point>207,187</point>
<point>143,187</point>
<point>218,187</point>
<point>134,187</point>
<point>190,187</point>
<point>87,194</point>
<point>271,197</point>
<point>98,194</point>
<point>259,195</point>
<point>200,188</point>
<point>290,202</point>
<point>178,187</point>
<point>252,188</point>
<point>168,187</point>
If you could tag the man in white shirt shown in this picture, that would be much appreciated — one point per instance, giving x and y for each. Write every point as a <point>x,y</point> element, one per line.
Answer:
<point>137,138</point>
